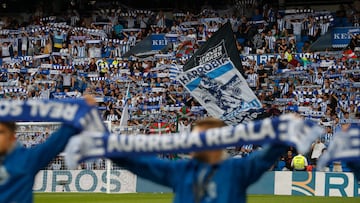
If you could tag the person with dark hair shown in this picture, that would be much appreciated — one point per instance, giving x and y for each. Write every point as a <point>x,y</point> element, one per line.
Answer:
<point>209,176</point>
<point>19,165</point>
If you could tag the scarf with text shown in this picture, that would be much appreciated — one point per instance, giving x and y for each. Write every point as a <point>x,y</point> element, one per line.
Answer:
<point>286,129</point>
<point>73,112</point>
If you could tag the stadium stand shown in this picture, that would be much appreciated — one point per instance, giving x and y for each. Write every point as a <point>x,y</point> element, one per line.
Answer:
<point>68,55</point>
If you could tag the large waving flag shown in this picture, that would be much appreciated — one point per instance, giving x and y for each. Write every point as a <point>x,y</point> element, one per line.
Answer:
<point>222,91</point>
<point>213,77</point>
<point>221,45</point>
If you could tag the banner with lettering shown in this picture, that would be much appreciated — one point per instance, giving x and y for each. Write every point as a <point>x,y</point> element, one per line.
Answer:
<point>158,41</point>
<point>221,45</point>
<point>222,91</point>
<point>341,36</point>
<point>74,112</point>
<point>287,129</point>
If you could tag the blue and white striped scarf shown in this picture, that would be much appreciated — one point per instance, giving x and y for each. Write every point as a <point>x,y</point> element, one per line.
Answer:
<point>286,129</point>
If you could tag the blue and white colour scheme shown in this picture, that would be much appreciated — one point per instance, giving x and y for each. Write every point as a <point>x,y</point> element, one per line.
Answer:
<point>221,90</point>
<point>158,41</point>
<point>341,36</point>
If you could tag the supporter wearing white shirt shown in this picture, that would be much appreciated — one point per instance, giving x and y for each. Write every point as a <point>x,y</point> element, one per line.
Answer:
<point>270,42</point>
<point>297,29</point>
<point>316,148</point>
<point>130,22</point>
<point>252,79</point>
<point>64,49</point>
<point>97,51</point>
<point>81,50</point>
<point>5,49</point>
<point>234,23</point>
<point>192,35</point>
<point>91,51</point>
<point>143,20</point>
<point>319,80</point>
<point>160,19</point>
<point>112,116</point>
<point>24,43</point>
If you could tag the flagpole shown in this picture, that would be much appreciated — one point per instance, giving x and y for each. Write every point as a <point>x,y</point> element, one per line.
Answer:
<point>125,108</point>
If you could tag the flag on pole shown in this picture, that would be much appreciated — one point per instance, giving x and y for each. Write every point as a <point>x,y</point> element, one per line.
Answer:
<point>221,45</point>
<point>125,116</point>
<point>213,76</point>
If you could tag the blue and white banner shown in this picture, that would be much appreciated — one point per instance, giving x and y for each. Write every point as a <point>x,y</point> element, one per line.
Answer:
<point>341,36</point>
<point>158,41</point>
<point>74,112</point>
<point>286,129</point>
<point>344,147</point>
<point>264,58</point>
<point>221,90</point>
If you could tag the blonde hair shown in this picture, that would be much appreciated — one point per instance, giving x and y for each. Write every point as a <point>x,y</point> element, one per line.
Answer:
<point>209,122</point>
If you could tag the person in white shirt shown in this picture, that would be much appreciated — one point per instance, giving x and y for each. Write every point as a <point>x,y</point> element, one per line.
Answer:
<point>297,29</point>
<point>81,50</point>
<point>5,49</point>
<point>252,79</point>
<point>64,49</point>
<point>234,23</point>
<point>270,42</point>
<point>91,51</point>
<point>184,126</point>
<point>97,51</point>
<point>192,35</point>
<point>112,116</point>
<point>143,20</point>
<point>316,148</point>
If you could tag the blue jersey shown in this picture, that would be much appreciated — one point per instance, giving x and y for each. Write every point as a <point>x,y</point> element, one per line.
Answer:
<point>19,167</point>
<point>196,182</point>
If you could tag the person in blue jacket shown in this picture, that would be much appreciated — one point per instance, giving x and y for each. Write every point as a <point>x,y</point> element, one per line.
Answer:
<point>19,165</point>
<point>209,176</point>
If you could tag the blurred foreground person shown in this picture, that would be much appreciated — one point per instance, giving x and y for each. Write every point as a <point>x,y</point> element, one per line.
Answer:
<point>19,165</point>
<point>209,176</point>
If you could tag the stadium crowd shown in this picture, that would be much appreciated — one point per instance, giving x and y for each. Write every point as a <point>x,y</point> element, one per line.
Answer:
<point>72,55</point>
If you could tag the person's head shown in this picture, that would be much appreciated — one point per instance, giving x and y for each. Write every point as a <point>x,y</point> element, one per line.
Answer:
<point>209,156</point>
<point>7,136</point>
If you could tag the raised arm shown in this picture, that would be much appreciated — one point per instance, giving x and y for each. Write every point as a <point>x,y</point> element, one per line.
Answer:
<point>152,168</point>
<point>42,154</point>
<point>252,167</point>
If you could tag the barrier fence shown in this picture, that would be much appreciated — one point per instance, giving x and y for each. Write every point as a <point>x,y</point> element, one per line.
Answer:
<point>271,183</point>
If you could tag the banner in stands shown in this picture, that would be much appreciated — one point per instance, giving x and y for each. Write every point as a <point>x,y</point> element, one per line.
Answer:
<point>221,90</point>
<point>264,58</point>
<point>121,181</point>
<point>341,36</point>
<point>221,44</point>
<point>158,41</point>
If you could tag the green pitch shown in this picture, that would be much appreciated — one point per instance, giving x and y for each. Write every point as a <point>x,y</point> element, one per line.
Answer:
<point>166,198</point>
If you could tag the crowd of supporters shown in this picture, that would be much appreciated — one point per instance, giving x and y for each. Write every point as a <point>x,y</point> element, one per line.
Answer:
<point>72,55</point>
